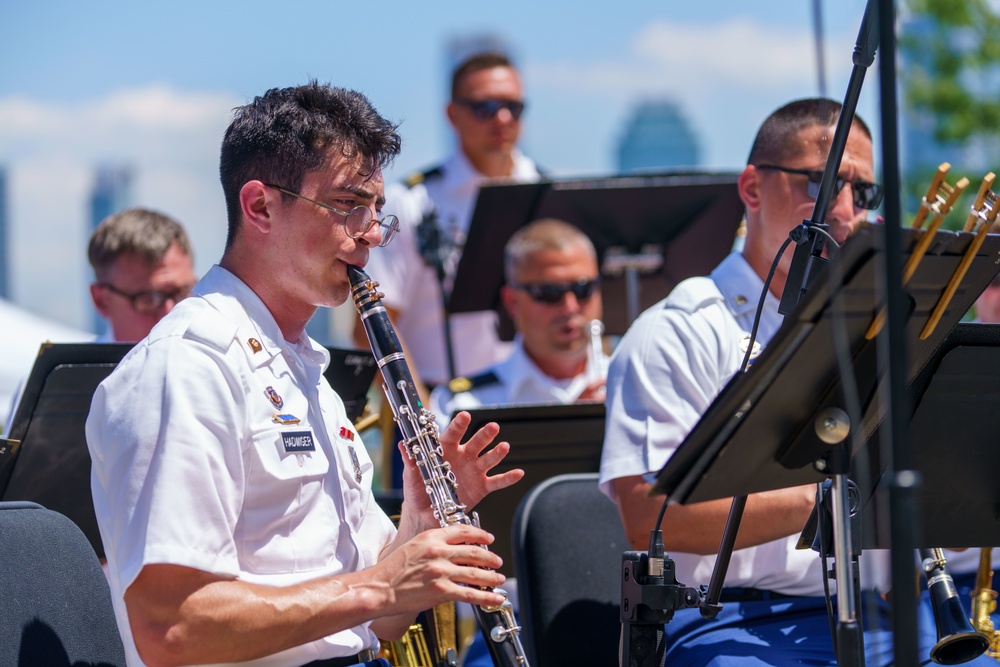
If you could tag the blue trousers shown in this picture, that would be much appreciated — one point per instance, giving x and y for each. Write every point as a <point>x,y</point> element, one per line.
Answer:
<point>792,631</point>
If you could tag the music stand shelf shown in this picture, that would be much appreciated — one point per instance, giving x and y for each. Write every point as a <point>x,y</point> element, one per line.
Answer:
<point>758,434</point>
<point>688,220</point>
<point>545,441</point>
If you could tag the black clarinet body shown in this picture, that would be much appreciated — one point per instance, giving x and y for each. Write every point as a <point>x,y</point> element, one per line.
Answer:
<point>423,446</point>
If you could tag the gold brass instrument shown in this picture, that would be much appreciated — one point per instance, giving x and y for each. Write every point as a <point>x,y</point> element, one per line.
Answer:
<point>984,602</point>
<point>597,359</point>
<point>957,641</point>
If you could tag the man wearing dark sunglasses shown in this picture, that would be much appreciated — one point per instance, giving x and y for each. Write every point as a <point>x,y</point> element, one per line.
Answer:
<point>435,208</point>
<point>672,363</point>
<point>552,295</point>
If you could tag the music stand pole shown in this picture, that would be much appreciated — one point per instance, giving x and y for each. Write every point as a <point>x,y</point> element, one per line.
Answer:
<point>903,480</point>
<point>805,262</point>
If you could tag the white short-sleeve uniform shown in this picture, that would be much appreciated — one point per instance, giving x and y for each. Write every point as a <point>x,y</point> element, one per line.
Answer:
<point>670,365</point>
<point>198,459</point>
<point>412,288</point>
<point>516,380</point>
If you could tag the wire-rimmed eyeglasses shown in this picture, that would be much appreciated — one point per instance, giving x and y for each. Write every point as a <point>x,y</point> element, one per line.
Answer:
<point>357,221</point>
<point>149,301</point>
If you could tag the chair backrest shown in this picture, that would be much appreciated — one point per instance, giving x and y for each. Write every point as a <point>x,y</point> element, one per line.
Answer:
<point>55,604</point>
<point>568,543</point>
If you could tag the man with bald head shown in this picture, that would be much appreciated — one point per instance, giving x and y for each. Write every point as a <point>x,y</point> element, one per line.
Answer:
<point>552,294</point>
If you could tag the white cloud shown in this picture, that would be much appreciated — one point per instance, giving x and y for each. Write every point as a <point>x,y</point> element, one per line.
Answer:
<point>727,76</point>
<point>170,138</point>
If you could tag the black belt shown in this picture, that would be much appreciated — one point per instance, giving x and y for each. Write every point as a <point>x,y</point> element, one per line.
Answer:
<point>345,661</point>
<point>751,595</point>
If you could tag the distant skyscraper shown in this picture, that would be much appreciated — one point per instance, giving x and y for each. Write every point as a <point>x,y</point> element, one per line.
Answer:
<point>4,238</point>
<point>658,136</point>
<point>112,192</point>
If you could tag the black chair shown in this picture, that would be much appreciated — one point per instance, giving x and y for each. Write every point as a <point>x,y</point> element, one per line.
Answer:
<point>55,604</point>
<point>568,543</point>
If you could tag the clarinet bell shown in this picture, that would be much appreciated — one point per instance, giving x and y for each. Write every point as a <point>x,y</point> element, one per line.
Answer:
<point>958,641</point>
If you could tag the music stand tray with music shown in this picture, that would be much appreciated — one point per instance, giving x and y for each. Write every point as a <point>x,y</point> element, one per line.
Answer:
<point>685,222</point>
<point>759,433</point>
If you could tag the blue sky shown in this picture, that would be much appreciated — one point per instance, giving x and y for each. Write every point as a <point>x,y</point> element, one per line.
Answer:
<point>152,84</point>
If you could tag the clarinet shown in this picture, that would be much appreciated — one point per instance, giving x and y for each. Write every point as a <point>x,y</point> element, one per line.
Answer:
<point>420,436</point>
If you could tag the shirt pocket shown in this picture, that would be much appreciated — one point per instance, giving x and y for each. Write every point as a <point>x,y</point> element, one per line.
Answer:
<point>287,518</point>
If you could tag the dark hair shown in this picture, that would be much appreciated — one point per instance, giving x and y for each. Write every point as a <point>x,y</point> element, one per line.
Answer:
<point>137,231</point>
<point>475,63</point>
<point>775,138</point>
<point>286,133</point>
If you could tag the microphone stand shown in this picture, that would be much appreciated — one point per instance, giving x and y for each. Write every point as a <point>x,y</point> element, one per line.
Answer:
<point>806,262</point>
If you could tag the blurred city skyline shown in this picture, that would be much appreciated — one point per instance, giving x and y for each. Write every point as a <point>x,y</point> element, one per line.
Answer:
<point>152,87</point>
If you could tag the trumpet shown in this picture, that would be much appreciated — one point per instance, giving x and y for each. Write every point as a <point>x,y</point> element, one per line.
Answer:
<point>597,360</point>
<point>984,602</point>
<point>957,641</point>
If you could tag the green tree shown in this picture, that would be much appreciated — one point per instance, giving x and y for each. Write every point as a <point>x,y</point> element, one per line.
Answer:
<point>950,72</point>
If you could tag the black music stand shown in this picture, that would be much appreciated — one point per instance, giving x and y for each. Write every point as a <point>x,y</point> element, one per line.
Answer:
<point>649,231</point>
<point>45,458</point>
<point>545,441</point>
<point>759,432</point>
<point>351,373</point>
<point>952,438</point>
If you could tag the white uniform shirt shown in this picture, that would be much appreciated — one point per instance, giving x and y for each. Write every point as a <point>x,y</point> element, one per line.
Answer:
<point>192,468</point>
<point>670,365</point>
<point>517,380</point>
<point>412,287</point>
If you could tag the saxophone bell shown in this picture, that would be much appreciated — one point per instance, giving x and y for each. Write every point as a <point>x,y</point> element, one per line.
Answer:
<point>984,602</point>
<point>958,641</point>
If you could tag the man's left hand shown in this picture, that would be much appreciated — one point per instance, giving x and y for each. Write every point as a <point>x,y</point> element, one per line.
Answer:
<point>469,467</point>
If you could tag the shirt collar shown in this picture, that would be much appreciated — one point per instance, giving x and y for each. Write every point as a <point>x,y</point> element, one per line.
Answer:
<point>741,287</point>
<point>258,332</point>
<point>459,174</point>
<point>520,373</point>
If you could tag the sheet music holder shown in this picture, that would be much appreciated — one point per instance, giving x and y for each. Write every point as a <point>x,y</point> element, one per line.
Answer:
<point>952,438</point>
<point>758,434</point>
<point>45,458</point>
<point>545,441</point>
<point>351,373</point>
<point>688,221</point>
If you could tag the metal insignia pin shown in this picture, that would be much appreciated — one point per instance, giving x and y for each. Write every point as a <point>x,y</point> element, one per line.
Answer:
<point>355,463</point>
<point>255,345</point>
<point>740,300</point>
<point>755,352</point>
<point>272,396</point>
